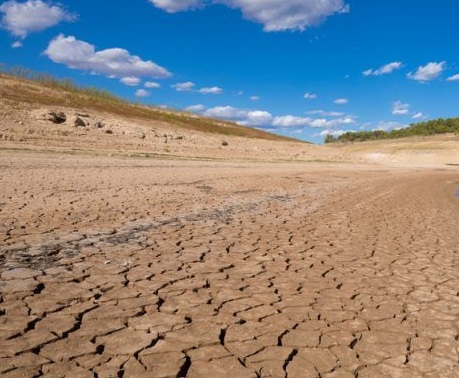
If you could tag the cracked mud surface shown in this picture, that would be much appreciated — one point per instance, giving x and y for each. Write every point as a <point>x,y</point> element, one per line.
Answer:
<point>134,268</point>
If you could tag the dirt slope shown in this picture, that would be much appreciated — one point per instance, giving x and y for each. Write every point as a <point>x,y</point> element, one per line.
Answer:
<point>436,150</point>
<point>132,130</point>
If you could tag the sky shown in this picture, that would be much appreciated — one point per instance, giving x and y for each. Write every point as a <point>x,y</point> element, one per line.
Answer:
<point>301,68</point>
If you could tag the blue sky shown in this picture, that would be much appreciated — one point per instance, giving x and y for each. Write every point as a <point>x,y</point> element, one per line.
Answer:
<point>301,68</point>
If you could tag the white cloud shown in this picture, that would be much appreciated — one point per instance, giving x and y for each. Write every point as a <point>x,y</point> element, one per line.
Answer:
<point>20,19</point>
<point>241,116</point>
<point>291,121</point>
<point>429,72</point>
<point>418,115</point>
<point>211,90</point>
<point>199,108</point>
<point>341,101</point>
<point>152,84</point>
<point>258,117</point>
<point>388,126</point>
<point>254,98</point>
<point>321,122</point>
<point>295,121</point>
<point>115,62</point>
<point>142,93</point>
<point>384,70</point>
<point>130,81</point>
<point>172,6</point>
<point>335,133</point>
<point>184,87</point>
<point>310,96</point>
<point>275,15</point>
<point>453,78</point>
<point>16,45</point>
<point>400,108</point>
<point>325,113</point>
<point>263,118</point>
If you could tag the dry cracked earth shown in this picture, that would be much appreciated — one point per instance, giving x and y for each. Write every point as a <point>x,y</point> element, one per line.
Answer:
<point>141,268</point>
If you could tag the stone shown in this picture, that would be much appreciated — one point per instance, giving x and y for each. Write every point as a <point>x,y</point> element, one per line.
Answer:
<point>57,117</point>
<point>79,122</point>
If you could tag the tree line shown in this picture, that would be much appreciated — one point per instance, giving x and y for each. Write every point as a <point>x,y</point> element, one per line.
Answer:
<point>434,127</point>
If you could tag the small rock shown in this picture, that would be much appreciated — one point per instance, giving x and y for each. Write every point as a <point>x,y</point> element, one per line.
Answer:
<point>79,122</point>
<point>98,125</point>
<point>109,131</point>
<point>57,117</point>
<point>224,143</point>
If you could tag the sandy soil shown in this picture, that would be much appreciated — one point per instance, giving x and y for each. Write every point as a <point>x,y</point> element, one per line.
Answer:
<point>122,255</point>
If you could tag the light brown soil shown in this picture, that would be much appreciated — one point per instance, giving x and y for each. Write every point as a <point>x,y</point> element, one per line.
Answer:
<point>249,264</point>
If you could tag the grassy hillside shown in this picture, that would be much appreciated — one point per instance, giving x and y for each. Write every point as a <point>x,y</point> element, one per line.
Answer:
<point>435,127</point>
<point>22,85</point>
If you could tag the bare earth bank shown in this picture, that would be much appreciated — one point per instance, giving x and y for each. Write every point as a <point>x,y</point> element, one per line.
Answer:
<point>166,268</point>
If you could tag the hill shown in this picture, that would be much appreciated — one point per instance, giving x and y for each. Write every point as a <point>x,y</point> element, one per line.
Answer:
<point>25,86</point>
<point>429,128</point>
<point>97,122</point>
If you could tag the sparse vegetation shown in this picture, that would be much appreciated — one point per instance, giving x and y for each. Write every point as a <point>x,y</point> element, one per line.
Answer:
<point>27,86</point>
<point>435,127</point>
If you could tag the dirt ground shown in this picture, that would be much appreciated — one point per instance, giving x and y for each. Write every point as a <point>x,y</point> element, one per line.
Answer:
<point>156,251</point>
<point>137,267</point>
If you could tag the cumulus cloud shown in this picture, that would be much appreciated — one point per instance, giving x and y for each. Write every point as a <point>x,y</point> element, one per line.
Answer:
<point>254,98</point>
<point>275,15</point>
<point>429,72</point>
<point>152,84</point>
<point>295,121</point>
<point>335,133</point>
<point>400,108</point>
<point>341,101</point>
<point>199,108</point>
<point>261,118</point>
<point>21,19</point>
<point>130,81</point>
<point>142,93</point>
<point>418,115</point>
<point>241,116</point>
<point>16,45</point>
<point>453,78</point>
<point>384,70</point>
<point>388,126</point>
<point>324,113</point>
<point>278,15</point>
<point>115,62</point>
<point>322,122</point>
<point>292,121</point>
<point>189,87</point>
<point>211,90</point>
<point>184,87</point>
<point>310,96</point>
<point>172,6</point>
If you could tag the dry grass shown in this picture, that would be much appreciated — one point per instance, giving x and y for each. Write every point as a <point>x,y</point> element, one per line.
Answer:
<point>23,85</point>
